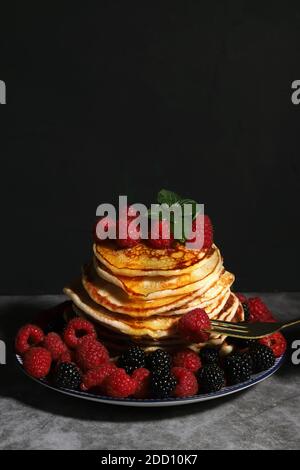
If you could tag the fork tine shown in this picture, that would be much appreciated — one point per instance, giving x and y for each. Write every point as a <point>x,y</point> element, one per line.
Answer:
<point>228,332</point>
<point>252,331</point>
<point>227,324</point>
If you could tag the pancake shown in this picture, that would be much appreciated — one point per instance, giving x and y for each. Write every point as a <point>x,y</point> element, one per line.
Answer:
<point>154,287</point>
<point>139,294</point>
<point>212,308</point>
<point>120,323</point>
<point>153,327</point>
<point>142,260</point>
<point>211,295</point>
<point>118,343</point>
<point>116,300</point>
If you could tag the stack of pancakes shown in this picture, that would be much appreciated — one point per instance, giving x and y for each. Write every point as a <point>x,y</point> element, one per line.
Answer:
<point>139,294</point>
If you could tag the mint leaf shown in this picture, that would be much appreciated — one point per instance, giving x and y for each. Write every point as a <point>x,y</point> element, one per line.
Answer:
<point>192,203</point>
<point>167,197</point>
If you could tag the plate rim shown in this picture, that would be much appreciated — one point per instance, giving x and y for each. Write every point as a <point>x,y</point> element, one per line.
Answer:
<point>154,402</point>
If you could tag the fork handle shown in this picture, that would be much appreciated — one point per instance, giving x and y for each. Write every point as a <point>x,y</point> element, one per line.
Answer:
<point>290,323</point>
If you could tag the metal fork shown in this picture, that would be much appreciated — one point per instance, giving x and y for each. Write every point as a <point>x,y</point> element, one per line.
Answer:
<point>249,330</point>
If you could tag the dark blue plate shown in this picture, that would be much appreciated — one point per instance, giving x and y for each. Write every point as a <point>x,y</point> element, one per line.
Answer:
<point>167,401</point>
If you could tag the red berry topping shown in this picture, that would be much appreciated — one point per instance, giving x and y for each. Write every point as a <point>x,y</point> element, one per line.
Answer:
<point>242,298</point>
<point>55,345</point>
<point>94,377</point>
<point>27,336</point>
<point>165,237</point>
<point>119,384</point>
<point>101,228</point>
<point>132,233</point>
<point>77,329</point>
<point>258,310</point>
<point>208,234</point>
<point>91,354</point>
<point>187,359</point>
<point>37,362</point>
<point>187,384</point>
<point>276,342</point>
<point>193,326</point>
<point>142,377</point>
<point>66,356</point>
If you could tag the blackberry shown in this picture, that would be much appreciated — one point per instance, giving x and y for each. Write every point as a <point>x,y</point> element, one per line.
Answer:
<point>162,383</point>
<point>68,376</point>
<point>159,360</point>
<point>238,367</point>
<point>246,311</point>
<point>211,378</point>
<point>209,356</point>
<point>262,357</point>
<point>132,359</point>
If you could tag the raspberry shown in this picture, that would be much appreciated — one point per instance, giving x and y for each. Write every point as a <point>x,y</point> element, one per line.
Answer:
<point>193,324</point>
<point>55,345</point>
<point>37,362</point>
<point>133,235</point>
<point>66,356</point>
<point>162,228</point>
<point>91,354</point>
<point>187,359</point>
<point>142,377</point>
<point>77,329</point>
<point>68,376</point>
<point>276,342</point>
<point>101,228</point>
<point>187,384</point>
<point>242,298</point>
<point>119,384</point>
<point>27,336</point>
<point>259,312</point>
<point>208,235</point>
<point>94,377</point>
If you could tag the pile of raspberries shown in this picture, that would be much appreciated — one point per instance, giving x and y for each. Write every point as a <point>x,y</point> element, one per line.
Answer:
<point>74,358</point>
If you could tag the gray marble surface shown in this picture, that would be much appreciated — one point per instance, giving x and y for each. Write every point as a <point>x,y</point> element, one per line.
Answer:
<point>266,416</point>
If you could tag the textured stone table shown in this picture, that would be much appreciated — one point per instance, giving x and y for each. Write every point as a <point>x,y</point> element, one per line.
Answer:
<point>266,416</point>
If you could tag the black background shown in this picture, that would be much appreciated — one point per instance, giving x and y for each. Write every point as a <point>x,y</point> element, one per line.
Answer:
<point>128,97</point>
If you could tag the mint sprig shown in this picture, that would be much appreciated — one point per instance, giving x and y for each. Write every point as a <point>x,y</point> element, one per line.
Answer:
<point>165,196</point>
